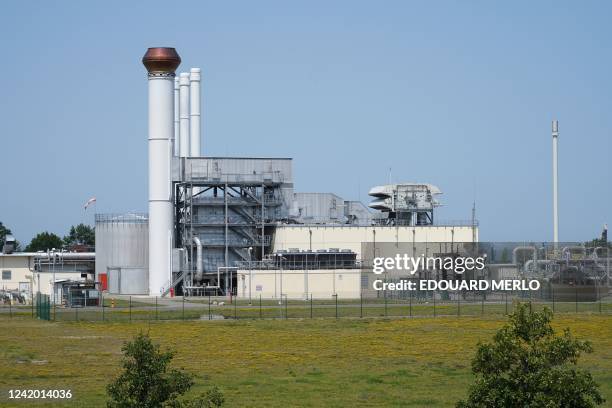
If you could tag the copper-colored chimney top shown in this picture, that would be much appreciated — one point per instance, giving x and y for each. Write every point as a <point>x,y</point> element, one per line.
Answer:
<point>161,60</point>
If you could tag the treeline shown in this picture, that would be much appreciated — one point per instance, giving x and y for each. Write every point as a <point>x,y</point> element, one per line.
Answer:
<point>78,235</point>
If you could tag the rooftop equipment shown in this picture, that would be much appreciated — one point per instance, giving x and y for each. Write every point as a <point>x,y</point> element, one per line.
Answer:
<point>10,244</point>
<point>406,203</point>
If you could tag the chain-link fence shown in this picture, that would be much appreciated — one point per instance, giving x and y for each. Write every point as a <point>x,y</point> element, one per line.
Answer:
<point>110,308</point>
<point>42,306</point>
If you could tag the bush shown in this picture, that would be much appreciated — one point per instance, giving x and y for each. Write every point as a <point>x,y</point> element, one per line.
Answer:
<point>146,381</point>
<point>528,365</point>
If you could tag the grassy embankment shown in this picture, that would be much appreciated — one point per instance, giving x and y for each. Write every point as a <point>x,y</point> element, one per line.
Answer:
<point>272,363</point>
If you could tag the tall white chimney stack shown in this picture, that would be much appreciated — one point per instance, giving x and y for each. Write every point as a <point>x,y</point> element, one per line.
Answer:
<point>161,64</point>
<point>555,137</point>
<point>177,126</point>
<point>184,114</point>
<point>195,112</point>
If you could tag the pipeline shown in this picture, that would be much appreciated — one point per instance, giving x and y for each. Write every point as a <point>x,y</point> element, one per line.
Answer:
<point>199,266</point>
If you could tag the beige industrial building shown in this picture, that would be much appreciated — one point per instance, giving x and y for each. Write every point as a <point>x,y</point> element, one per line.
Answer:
<point>299,284</point>
<point>17,273</point>
<point>26,273</point>
<point>298,280</point>
<point>315,237</point>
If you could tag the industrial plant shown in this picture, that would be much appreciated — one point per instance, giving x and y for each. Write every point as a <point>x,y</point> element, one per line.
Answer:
<point>238,226</point>
<point>212,218</point>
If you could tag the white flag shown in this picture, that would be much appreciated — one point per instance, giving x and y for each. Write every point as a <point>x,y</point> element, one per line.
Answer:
<point>89,202</point>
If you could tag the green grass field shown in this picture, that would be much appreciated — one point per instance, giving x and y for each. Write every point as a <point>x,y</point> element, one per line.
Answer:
<point>279,363</point>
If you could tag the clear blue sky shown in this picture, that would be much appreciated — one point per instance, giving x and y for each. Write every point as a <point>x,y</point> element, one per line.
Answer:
<point>457,94</point>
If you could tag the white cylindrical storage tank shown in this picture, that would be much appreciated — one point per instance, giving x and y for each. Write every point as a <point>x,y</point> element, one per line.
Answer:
<point>122,241</point>
<point>177,126</point>
<point>184,100</point>
<point>161,64</point>
<point>195,112</point>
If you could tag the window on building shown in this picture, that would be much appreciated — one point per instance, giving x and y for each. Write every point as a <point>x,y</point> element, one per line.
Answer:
<point>6,275</point>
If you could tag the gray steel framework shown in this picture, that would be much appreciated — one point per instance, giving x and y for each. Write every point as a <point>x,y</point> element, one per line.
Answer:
<point>232,210</point>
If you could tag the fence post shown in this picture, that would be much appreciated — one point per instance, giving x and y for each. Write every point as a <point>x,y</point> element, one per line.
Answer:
<point>410,304</point>
<point>76,314</point>
<point>576,291</point>
<point>506,302</point>
<point>130,309</point>
<point>286,311</point>
<point>458,304</point>
<point>260,312</point>
<point>600,304</point>
<point>336,296</point>
<point>10,308</point>
<point>482,305</point>
<point>385,293</point>
<point>209,313</point>
<point>102,302</point>
<point>361,304</point>
<point>311,305</point>
<point>552,295</point>
<point>599,298</point>
<point>433,296</point>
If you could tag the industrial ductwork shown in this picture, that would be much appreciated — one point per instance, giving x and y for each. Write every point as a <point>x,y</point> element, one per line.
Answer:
<point>199,265</point>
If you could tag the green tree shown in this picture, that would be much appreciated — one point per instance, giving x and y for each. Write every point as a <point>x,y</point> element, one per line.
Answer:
<point>44,241</point>
<point>80,234</point>
<point>146,381</point>
<point>528,365</point>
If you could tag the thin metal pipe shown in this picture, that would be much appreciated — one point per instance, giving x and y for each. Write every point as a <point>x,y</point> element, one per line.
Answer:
<point>555,137</point>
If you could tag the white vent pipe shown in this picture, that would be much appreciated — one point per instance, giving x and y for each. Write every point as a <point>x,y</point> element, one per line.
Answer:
<point>555,136</point>
<point>199,265</point>
<point>184,149</point>
<point>195,112</point>
<point>177,126</point>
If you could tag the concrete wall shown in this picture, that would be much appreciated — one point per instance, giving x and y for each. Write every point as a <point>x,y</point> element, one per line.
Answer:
<point>320,283</point>
<point>351,237</point>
